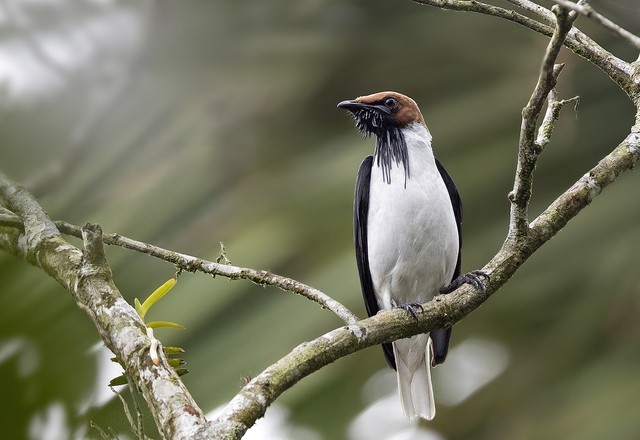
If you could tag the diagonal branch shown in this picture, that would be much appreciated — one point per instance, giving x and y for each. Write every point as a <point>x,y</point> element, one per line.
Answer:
<point>528,149</point>
<point>87,276</point>
<point>618,70</point>
<point>587,10</point>
<point>37,224</point>
<point>190,263</point>
<point>540,11</point>
<point>173,408</point>
<point>252,401</point>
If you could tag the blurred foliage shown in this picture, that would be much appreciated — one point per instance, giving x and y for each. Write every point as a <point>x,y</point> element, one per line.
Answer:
<point>189,123</point>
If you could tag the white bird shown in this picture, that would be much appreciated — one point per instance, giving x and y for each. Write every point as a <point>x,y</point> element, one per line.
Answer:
<point>407,221</point>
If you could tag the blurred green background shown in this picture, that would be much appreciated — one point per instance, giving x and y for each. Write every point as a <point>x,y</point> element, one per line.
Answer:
<point>189,123</point>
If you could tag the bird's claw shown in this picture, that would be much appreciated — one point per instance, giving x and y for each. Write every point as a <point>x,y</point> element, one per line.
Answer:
<point>411,309</point>
<point>475,278</point>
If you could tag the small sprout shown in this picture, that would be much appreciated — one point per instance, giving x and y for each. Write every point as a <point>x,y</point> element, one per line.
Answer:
<point>172,350</point>
<point>222,258</point>
<point>161,291</point>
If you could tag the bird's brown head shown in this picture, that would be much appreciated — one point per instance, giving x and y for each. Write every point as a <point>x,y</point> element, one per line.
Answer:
<point>379,112</point>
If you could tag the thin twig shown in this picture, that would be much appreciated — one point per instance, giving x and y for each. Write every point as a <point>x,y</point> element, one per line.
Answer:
<point>587,10</point>
<point>190,263</point>
<point>527,149</point>
<point>618,70</point>
<point>536,9</point>
<point>550,117</point>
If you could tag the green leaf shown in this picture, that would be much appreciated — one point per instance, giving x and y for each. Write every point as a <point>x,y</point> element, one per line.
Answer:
<point>174,362</point>
<point>172,350</point>
<point>120,380</point>
<point>181,371</point>
<point>157,324</point>
<point>156,296</point>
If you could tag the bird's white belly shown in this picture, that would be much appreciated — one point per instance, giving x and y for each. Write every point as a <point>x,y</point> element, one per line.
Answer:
<point>412,233</point>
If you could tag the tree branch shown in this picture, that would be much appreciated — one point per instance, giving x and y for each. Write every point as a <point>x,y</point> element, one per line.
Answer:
<point>445,310</point>
<point>618,70</point>
<point>131,345</point>
<point>87,276</point>
<point>540,11</point>
<point>587,10</point>
<point>528,149</point>
<point>36,223</point>
<point>551,116</point>
<point>189,263</point>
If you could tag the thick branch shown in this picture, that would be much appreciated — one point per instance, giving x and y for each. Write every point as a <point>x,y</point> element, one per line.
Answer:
<point>37,224</point>
<point>88,278</point>
<point>174,410</point>
<point>528,150</point>
<point>252,401</point>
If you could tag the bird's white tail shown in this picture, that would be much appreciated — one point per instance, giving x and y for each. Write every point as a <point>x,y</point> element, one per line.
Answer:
<point>413,362</point>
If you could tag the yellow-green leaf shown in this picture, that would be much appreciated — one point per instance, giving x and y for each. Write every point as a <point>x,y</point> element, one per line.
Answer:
<point>181,371</point>
<point>173,362</point>
<point>156,296</point>
<point>172,350</point>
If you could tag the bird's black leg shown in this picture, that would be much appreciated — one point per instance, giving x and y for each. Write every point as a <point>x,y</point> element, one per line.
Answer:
<point>474,278</point>
<point>411,309</point>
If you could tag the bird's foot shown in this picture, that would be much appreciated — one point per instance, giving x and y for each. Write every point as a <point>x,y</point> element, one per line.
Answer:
<point>475,278</point>
<point>411,308</point>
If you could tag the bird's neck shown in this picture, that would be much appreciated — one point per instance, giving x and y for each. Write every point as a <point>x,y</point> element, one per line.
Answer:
<point>395,146</point>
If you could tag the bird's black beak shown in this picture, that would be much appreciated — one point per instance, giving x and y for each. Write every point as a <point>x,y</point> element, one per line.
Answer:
<point>351,105</point>
<point>354,106</point>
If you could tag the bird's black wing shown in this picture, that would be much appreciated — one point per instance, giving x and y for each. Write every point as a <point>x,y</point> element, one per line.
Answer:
<point>440,337</point>
<point>360,216</point>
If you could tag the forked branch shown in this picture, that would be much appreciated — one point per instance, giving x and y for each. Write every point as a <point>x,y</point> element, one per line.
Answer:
<point>528,149</point>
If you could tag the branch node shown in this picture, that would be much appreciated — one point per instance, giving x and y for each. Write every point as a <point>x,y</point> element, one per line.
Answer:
<point>557,68</point>
<point>94,260</point>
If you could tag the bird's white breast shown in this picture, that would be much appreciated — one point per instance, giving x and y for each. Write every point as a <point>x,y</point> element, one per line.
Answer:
<point>412,233</point>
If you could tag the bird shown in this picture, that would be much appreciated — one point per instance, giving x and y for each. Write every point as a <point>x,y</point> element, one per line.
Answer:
<point>408,236</point>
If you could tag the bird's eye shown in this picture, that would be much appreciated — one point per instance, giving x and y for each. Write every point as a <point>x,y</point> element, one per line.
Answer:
<point>390,103</point>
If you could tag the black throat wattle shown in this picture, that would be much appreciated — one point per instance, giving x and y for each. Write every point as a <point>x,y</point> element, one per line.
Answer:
<point>391,145</point>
